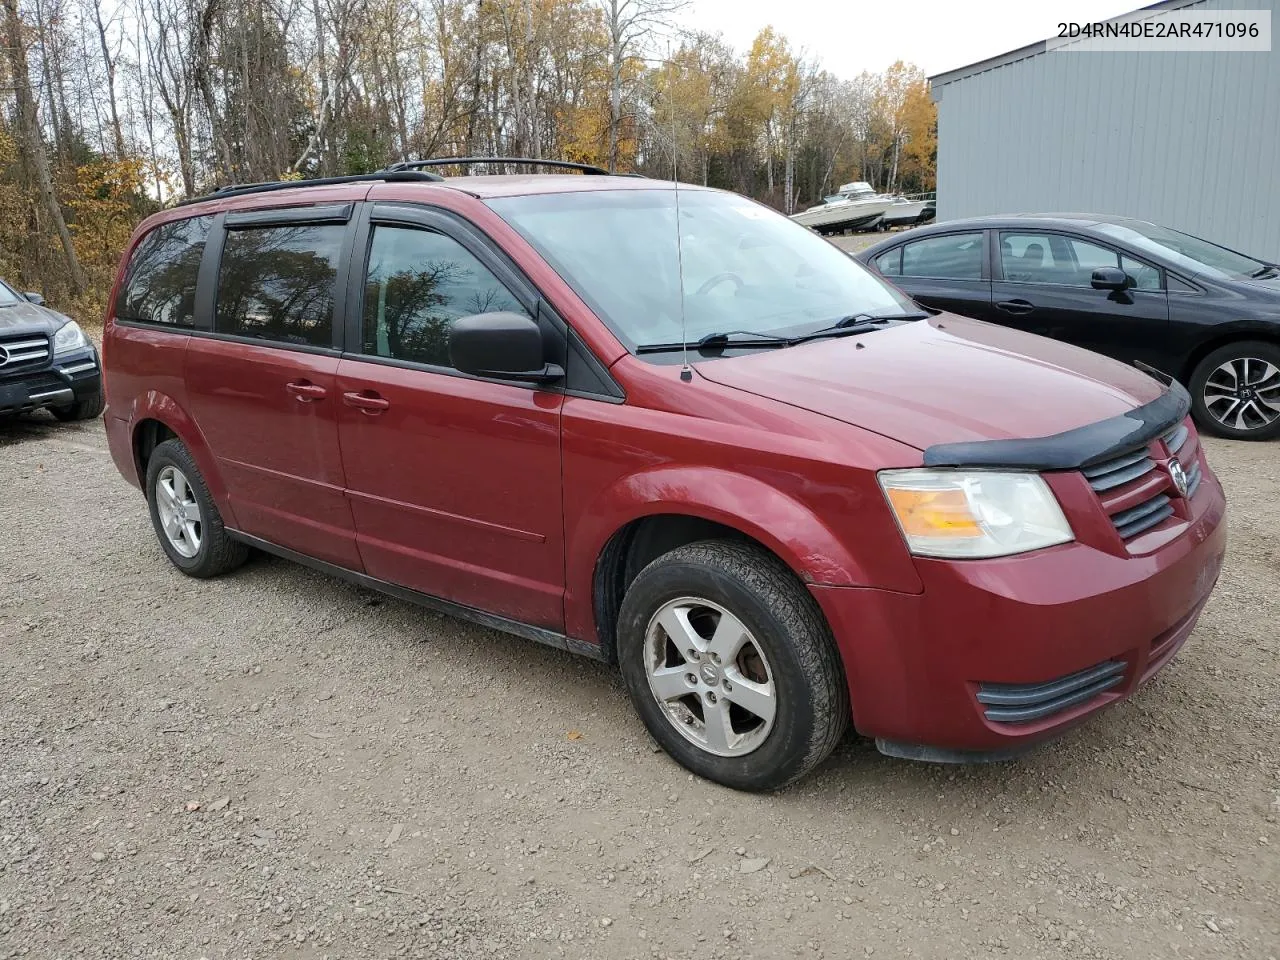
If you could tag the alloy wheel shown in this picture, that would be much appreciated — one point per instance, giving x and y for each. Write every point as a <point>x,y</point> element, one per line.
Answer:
<point>1244,393</point>
<point>179,512</point>
<point>710,676</point>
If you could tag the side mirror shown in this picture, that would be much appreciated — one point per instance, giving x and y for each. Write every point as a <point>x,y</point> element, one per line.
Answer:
<point>34,297</point>
<point>1110,278</point>
<point>503,345</point>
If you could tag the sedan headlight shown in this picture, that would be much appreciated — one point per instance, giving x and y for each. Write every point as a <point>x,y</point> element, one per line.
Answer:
<point>69,338</point>
<point>971,514</point>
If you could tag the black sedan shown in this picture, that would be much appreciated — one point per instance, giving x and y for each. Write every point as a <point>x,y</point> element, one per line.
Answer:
<point>1133,290</point>
<point>46,361</point>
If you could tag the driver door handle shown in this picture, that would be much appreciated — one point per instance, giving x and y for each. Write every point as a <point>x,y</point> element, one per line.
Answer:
<point>368,401</point>
<point>1016,306</point>
<point>305,391</point>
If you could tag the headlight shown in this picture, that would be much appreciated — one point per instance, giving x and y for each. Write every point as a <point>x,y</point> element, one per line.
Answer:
<point>958,513</point>
<point>69,339</point>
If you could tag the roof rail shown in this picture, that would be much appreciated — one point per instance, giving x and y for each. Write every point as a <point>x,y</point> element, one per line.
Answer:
<point>522,161</point>
<point>242,189</point>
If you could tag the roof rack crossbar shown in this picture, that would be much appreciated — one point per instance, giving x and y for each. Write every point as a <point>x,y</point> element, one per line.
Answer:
<point>586,168</point>
<point>270,186</point>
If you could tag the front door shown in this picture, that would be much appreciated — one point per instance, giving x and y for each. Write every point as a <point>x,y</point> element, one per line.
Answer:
<point>1043,285</point>
<point>262,387</point>
<point>454,481</point>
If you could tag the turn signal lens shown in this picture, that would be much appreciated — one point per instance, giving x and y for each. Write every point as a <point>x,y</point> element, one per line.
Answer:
<point>974,514</point>
<point>933,513</point>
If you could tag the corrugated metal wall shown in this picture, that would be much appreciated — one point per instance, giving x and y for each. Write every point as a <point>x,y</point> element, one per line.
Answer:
<point>1190,140</point>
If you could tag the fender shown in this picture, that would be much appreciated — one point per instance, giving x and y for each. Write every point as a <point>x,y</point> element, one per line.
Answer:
<point>154,405</point>
<point>783,524</point>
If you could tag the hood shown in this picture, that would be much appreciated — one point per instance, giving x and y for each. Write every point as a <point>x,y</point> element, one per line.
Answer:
<point>1266,285</point>
<point>28,318</point>
<point>947,379</point>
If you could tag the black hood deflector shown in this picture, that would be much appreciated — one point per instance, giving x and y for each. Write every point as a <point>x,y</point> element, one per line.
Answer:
<point>1072,449</point>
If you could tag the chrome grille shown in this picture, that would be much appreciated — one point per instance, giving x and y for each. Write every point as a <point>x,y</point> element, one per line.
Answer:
<point>23,351</point>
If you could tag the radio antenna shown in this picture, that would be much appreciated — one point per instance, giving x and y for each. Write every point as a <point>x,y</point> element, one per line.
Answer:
<point>686,372</point>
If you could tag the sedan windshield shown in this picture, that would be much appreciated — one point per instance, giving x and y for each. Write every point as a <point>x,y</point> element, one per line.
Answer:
<point>1183,250</point>
<point>740,267</point>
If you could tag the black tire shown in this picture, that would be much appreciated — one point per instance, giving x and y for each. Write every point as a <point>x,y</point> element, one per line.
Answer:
<point>218,553</point>
<point>85,408</point>
<point>812,699</point>
<point>1257,350</point>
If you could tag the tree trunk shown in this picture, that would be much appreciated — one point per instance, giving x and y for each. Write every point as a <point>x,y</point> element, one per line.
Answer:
<point>788,205</point>
<point>322,120</point>
<point>31,142</point>
<point>615,110</point>
<point>60,126</point>
<point>110,66</point>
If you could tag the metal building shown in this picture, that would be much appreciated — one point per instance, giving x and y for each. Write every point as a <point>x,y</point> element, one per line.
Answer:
<point>1187,139</point>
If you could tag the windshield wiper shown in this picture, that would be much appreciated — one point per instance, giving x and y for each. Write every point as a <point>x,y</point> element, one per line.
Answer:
<point>1264,273</point>
<point>856,323</point>
<point>718,340</point>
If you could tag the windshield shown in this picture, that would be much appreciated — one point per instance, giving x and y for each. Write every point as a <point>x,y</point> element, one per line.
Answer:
<point>746,268</point>
<point>8,296</point>
<point>1183,250</point>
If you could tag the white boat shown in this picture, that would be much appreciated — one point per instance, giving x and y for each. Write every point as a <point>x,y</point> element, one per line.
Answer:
<point>857,206</point>
<point>904,212</point>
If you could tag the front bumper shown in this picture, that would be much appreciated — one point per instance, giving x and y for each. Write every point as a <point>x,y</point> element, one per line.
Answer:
<point>1026,628</point>
<point>70,379</point>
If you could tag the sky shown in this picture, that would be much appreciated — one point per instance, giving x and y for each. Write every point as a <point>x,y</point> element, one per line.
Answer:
<point>850,36</point>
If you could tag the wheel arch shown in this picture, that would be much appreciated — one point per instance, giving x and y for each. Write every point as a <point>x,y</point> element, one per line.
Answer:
<point>648,515</point>
<point>1236,333</point>
<point>157,417</point>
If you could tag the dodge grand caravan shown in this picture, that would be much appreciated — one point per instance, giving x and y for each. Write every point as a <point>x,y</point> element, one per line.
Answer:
<point>735,463</point>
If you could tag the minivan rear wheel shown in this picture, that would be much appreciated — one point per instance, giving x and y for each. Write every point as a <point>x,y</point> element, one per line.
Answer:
<point>184,516</point>
<point>1235,391</point>
<point>731,666</point>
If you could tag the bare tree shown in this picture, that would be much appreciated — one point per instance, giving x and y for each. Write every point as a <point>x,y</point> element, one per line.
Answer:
<point>629,24</point>
<point>109,68</point>
<point>35,159</point>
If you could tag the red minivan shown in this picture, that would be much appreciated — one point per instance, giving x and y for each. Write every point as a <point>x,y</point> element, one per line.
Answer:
<point>672,430</point>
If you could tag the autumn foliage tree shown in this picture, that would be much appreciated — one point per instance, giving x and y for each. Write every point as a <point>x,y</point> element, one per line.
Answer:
<point>114,109</point>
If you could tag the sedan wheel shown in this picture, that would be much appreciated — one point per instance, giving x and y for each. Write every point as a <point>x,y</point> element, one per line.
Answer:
<point>1244,393</point>
<point>1235,391</point>
<point>710,677</point>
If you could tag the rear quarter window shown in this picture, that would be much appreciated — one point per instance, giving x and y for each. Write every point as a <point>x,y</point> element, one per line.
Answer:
<point>160,281</point>
<point>956,256</point>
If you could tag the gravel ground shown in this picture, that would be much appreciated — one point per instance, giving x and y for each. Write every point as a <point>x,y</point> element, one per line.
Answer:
<point>279,765</point>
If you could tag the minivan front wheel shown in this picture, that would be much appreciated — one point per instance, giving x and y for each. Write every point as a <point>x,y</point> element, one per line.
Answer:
<point>731,666</point>
<point>184,516</point>
<point>1235,391</point>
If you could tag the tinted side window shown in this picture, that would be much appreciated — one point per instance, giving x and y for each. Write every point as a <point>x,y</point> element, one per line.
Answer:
<point>417,283</point>
<point>890,264</point>
<point>160,282</point>
<point>957,256</point>
<point>277,283</point>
